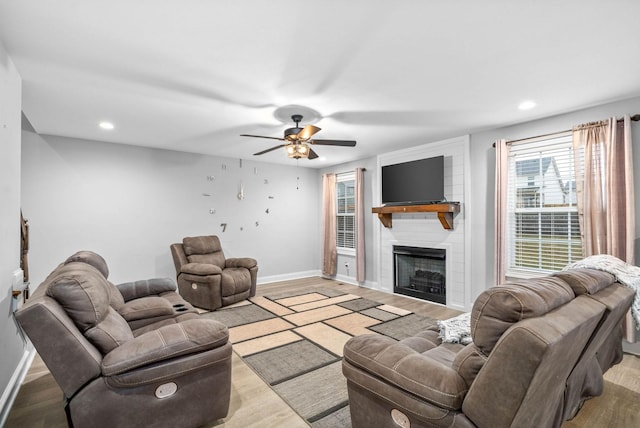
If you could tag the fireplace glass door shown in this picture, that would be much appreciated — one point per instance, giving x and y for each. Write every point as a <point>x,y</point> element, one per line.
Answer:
<point>420,272</point>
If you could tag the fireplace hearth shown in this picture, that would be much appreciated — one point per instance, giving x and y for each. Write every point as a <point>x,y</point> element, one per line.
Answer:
<point>420,272</point>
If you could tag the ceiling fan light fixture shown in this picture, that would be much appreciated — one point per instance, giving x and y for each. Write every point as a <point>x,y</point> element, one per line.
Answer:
<point>297,151</point>
<point>297,141</point>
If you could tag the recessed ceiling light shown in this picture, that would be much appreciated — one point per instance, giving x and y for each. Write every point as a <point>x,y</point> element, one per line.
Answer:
<point>527,105</point>
<point>106,125</point>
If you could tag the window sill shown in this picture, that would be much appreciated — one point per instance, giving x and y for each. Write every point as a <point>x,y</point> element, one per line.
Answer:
<point>523,274</point>
<point>346,252</point>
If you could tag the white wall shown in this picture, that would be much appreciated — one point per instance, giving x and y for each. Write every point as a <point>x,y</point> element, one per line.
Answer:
<point>12,348</point>
<point>130,203</point>
<point>483,170</point>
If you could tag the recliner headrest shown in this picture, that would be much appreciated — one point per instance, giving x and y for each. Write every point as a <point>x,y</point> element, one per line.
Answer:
<point>91,258</point>
<point>83,293</point>
<point>498,308</point>
<point>201,245</point>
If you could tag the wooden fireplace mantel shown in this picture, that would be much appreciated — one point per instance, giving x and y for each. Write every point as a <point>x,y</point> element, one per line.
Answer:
<point>445,212</point>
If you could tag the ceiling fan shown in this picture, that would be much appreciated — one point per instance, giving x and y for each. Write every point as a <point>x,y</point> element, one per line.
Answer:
<point>297,141</point>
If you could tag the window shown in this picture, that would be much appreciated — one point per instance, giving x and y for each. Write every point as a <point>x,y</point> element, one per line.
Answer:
<point>542,216</point>
<point>345,212</point>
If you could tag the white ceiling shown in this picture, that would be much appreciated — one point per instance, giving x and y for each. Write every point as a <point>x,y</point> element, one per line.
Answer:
<point>192,75</point>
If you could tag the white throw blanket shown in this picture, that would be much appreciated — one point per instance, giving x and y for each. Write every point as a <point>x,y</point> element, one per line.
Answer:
<point>626,274</point>
<point>456,330</point>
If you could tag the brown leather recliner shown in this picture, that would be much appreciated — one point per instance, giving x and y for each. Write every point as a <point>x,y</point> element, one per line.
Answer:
<point>173,372</point>
<point>209,280</point>
<point>539,349</point>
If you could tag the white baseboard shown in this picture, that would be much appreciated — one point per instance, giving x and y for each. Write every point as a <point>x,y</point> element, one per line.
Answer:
<point>11,391</point>
<point>311,273</point>
<point>287,276</point>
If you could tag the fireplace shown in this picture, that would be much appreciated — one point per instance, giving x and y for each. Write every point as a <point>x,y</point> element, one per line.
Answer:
<point>420,272</point>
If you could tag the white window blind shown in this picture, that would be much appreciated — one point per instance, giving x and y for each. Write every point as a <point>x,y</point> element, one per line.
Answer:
<point>542,223</point>
<point>345,211</point>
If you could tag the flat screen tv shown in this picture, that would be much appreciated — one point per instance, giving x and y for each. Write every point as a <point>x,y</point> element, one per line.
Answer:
<point>415,182</point>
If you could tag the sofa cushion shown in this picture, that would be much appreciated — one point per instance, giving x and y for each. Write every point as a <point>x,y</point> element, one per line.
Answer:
<point>201,269</point>
<point>146,307</point>
<point>83,293</point>
<point>586,281</point>
<point>170,341</point>
<point>145,287</point>
<point>468,363</point>
<point>428,378</point>
<point>498,308</point>
<point>110,333</point>
<point>241,262</point>
<point>235,281</point>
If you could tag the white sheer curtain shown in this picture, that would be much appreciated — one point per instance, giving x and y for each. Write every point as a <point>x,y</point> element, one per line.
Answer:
<point>501,185</point>
<point>359,214</point>
<point>605,194</point>
<point>329,252</point>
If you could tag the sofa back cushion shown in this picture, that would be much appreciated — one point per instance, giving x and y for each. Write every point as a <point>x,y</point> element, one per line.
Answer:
<point>84,294</point>
<point>498,308</point>
<point>109,333</point>
<point>204,249</point>
<point>586,281</point>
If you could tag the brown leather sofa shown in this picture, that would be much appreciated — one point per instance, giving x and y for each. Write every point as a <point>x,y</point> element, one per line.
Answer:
<point>170,372</point>
<point>539,350</point>
<point>209,280</point>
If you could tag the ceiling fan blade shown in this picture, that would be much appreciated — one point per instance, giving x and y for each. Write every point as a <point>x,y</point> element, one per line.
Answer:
<point>343,143</point>
<point>307,132</point>
<point>312,154</point>
<point>269,150</point>
<point>261,136</point>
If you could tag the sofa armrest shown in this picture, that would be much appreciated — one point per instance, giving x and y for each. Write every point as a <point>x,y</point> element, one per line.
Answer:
<point>241,262</point>
<point>167,342</point>
<point>145,307</point>
<point>202,269</point>
<point>407,369</point>
<point>145,287</point>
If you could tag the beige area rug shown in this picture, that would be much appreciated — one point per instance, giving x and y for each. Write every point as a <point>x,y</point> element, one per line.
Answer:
<point>294,343</point>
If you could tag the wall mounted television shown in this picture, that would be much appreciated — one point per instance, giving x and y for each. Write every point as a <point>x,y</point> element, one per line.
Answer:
<point>415,182</point>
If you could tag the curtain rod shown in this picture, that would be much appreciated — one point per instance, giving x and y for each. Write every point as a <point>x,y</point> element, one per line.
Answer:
<point>634,118</point>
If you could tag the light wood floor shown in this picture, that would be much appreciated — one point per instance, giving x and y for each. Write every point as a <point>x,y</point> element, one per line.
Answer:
<point>254,404</point>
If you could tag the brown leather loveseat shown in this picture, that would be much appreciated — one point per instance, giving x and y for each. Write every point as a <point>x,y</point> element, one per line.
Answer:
<point>540,348</point>
<point>170,371</point>
<point>148,302</point>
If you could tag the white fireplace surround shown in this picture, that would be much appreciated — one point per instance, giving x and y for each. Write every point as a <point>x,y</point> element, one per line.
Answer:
<point>423,230</point>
